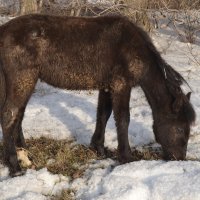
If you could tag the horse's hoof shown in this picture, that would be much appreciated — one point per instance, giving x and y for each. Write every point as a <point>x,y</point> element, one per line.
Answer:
<point>126,159</point>
<point>18,173</point>
<point>99,149</point>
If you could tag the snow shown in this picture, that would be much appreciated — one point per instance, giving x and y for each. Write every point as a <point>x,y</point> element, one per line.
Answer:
<point>144,180</point>
<point>33,185</point>
<point>61,114</point>
<point>7,3</point>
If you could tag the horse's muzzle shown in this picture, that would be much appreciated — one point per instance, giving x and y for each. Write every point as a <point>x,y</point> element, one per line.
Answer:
<point>176,154</point>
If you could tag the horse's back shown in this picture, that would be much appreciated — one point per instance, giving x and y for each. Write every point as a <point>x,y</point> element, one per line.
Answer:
<point>73,53</point>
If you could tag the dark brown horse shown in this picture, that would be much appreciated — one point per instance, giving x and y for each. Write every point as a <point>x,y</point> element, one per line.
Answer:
<point>109,54</point>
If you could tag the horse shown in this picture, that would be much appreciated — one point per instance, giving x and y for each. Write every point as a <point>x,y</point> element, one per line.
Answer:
<point>109,54</point>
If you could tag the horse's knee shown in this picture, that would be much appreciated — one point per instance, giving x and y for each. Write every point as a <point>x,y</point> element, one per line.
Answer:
<point>8,116</point>
<point>8,120</point>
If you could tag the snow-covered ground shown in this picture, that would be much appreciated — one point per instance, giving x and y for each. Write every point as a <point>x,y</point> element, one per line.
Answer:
<point>63,114</point>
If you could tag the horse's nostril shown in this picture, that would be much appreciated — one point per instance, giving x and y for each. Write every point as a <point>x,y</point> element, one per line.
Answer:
<point>174,155</point>
<point>20,162</point>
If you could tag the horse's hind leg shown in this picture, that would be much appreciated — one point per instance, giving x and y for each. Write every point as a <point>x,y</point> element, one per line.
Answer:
<point>120,100</point>
<point>19,90</point>
<point>104,110</point>
<point>8,118</point>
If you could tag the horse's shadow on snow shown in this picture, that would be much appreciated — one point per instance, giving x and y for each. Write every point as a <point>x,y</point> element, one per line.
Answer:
<point>73,110</point>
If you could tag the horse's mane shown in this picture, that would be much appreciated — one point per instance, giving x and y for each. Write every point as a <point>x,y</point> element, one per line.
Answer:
<point>173,81</point>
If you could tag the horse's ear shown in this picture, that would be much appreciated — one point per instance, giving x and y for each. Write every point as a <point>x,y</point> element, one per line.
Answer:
<point>179,102</point>
<point>177,105</point>
<point>188,95</point>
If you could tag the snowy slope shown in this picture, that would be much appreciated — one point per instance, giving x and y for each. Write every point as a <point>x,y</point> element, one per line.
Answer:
<point>63,114</point>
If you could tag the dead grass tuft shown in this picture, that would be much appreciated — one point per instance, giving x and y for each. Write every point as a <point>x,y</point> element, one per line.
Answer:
<point>65,195</point>
<point>60,156</point>
<point>147,153</point>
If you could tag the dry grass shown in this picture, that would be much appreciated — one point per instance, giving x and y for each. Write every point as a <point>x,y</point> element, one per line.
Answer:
<point>67,158</point>
<point>60,156</point>
<point>70,159</point>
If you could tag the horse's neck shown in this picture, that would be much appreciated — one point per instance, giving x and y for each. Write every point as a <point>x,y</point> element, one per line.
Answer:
<point>157,94</point>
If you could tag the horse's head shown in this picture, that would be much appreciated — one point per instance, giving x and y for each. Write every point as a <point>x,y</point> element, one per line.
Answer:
<point>172,129</point>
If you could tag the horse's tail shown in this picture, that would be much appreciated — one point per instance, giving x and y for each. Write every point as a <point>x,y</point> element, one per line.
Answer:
<point>2,87</point>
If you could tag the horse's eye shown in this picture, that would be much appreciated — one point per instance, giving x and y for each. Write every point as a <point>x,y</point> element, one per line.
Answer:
<point>180,130</point>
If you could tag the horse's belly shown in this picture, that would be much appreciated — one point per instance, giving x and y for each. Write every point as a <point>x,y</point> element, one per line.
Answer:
<point>73,81</point>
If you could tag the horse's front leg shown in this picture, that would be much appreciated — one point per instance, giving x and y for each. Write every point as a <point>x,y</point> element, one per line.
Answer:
<point>120,100</point>
<point>18,132</point>
<point>104,110</point>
